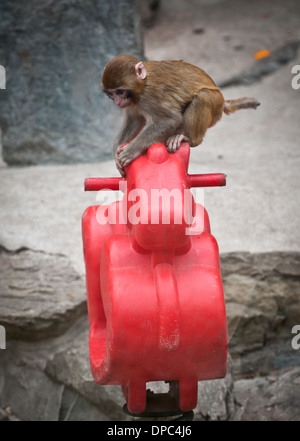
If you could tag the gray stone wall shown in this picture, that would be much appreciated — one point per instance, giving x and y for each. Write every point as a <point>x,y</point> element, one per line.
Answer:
<point>45,370</point>
<point>52,110</point>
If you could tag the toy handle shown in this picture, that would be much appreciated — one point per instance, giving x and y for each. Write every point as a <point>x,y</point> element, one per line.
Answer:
<point>203,180</point>
<point>96,184</point>
<point>207,180</point>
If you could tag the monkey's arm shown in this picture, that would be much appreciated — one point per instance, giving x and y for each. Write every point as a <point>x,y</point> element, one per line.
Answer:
<point>131,125</point>
<point>156,130</point>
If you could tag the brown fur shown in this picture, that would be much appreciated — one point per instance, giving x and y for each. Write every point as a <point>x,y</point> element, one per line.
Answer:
<point>174,98</point>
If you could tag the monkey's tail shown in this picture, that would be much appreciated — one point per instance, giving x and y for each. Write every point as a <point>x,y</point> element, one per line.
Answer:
<point>231,106</point>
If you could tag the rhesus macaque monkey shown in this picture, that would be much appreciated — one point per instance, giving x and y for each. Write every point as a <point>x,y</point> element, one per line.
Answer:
<point>163,101</point>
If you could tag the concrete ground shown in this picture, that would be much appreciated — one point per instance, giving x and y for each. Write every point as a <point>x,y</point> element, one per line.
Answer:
<point>258,210</point>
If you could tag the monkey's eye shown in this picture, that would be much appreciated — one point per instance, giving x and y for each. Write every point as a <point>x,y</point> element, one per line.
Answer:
<point>119,91</point>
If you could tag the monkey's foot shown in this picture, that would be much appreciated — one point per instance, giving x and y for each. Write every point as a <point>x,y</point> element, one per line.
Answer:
<point>174,142</point>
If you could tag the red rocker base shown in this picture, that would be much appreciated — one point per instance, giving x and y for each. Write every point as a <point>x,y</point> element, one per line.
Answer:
<point>154,290</point>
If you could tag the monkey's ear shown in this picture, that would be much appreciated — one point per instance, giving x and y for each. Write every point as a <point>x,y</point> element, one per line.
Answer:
<point>140,70</point>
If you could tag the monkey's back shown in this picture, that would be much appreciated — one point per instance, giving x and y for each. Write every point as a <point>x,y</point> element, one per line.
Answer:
<point>177,79</point>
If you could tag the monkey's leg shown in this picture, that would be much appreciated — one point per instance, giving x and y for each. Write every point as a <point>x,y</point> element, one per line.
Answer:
<point>203,112</point>
<point>154,131</point>
<point>174,142</point>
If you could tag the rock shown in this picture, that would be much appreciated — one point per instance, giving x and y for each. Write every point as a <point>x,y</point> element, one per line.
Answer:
<point>261,265</point>
<point>246,328</point>
<point>215,398</point>
<point>272,357</point>
<point>7,415</point>
<point>3,415</point>
<point>24,387</point>
<point>71,367</point>
<point>262,297</point>
<point>52,110</point>
<point>28,393</point>
<point>74,407</point>
<point>270,398</point>
<point>41,294</point>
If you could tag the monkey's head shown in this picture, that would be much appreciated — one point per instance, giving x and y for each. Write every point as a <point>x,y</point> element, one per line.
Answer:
<point>123,80</point>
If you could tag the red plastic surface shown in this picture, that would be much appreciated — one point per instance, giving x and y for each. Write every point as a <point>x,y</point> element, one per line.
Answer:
<point>155,296</point>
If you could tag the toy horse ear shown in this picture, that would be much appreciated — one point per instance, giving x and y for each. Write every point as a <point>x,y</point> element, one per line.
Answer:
<point>140,70</point>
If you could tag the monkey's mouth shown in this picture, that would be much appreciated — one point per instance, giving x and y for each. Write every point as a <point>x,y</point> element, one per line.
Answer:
<point>123,103</point>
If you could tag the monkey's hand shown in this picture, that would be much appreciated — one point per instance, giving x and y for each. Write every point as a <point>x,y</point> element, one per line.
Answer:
<point>174,142</point>
<point>127,154</point>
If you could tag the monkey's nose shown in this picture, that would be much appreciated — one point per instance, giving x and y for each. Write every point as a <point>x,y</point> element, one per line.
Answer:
<point>117,100</point>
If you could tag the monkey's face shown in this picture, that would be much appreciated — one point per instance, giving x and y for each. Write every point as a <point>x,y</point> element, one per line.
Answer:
<point>121,97</point>
<point>123,80</point>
